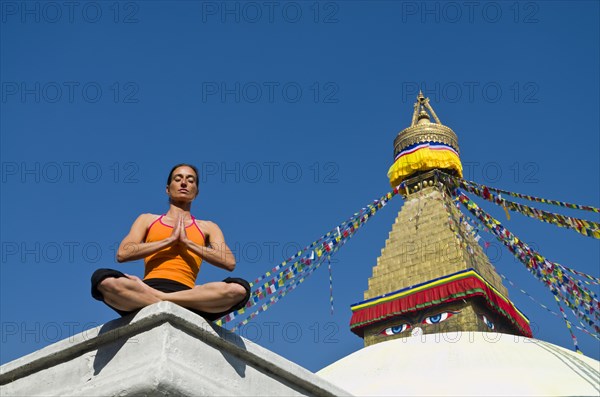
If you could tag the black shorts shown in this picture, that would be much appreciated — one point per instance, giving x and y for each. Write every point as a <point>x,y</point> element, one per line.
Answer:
<point>166,285</point>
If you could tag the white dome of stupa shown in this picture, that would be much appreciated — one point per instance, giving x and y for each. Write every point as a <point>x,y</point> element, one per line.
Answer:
<point>465,364</point>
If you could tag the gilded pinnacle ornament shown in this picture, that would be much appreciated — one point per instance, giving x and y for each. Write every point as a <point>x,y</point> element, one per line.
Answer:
<point>424,146</point>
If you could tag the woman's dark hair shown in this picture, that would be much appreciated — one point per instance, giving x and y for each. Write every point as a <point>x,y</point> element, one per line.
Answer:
<point>181,165</point>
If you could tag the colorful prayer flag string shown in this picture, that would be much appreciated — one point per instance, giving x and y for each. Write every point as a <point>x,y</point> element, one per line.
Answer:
<point>512,284</point>
<point>573,337</point>
<point>330,284</point>
<point>594,280</point>
<point>537,199</point>
<point>582,226</point>
<point>581,300</point>
<point>280,294</point>
<point>590,280</point>
<point>285,277</point>
<point>348,226</point>
<point>472,226</point>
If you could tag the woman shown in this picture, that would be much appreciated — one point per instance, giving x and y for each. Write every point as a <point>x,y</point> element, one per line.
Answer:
<point>173,246</point>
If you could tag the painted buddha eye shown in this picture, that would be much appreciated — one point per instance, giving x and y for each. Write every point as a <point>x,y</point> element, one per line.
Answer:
<point>438,318</point>
<point>395,329</point>
<point>487,322</point>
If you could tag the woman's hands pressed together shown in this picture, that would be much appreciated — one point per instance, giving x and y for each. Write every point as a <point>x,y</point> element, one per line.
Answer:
<point>179,235</point>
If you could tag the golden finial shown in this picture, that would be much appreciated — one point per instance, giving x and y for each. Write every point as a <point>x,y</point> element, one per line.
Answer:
<point>425,128</point>
<point>422,106</point>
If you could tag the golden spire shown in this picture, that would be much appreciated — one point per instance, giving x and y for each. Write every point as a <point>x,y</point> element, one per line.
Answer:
<point>432,275</point>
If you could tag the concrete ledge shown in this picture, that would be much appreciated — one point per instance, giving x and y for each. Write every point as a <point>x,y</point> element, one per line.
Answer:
<point>163,349</point>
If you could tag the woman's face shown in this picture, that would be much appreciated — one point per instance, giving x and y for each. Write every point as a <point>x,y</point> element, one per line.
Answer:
<point>184,184</point>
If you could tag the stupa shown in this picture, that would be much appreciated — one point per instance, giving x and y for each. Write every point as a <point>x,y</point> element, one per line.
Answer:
<point>431,276</point>
<point>436,318</point>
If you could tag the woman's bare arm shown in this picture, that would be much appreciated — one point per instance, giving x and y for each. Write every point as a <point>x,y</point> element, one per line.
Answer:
<point>133,246</point>
<point>216,252</point>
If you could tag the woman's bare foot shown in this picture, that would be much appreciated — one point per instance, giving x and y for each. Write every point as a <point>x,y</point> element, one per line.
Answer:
<point>158,294</point>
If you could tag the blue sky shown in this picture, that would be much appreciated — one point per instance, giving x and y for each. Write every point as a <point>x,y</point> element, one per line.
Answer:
<point>291,109</point>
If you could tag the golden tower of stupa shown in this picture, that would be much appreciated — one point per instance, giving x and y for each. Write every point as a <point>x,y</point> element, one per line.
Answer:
<point>432,275</point>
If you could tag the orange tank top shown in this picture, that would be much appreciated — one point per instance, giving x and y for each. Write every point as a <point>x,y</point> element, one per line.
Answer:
<point>173,263</point>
